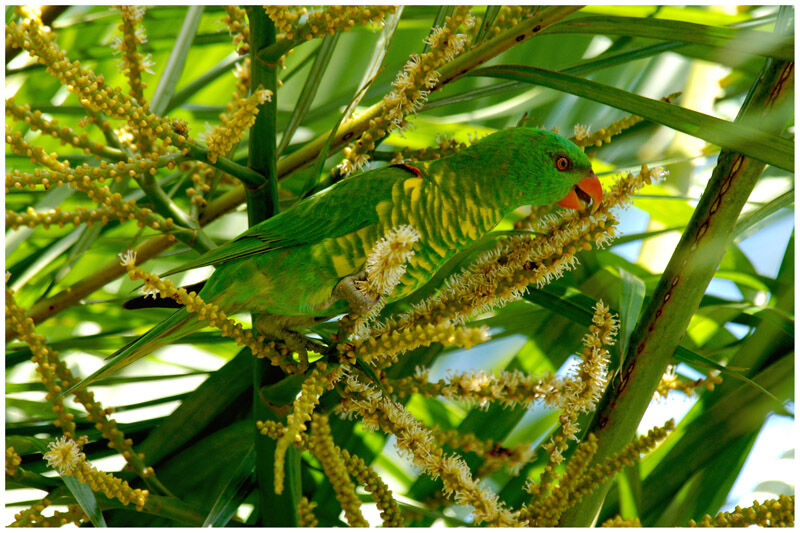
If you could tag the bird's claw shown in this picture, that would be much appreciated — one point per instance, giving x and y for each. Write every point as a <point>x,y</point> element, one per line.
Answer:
<point>347,289</point>
<point>299,344</point>
<point>277,327</point>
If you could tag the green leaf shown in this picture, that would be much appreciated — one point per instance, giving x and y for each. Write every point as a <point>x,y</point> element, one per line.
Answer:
<point>53,198</point>
<point>754,220</point>
<point>773,315</point>
<point>313,81</point>
<point>689,356</point>
<point>209,400</point>
<point>623,239</point>
<point>234,492</point>
<point>725,39</point>
<point>580,314</point>
<point>174,67</point>
<point>285,391</point>
<point>193,87</point>
<point>86,499</point>
<point>488,19</point>
<point>749,141</point>
<point>36,409</point>
<point>629,488</point>
<point>709,490</point>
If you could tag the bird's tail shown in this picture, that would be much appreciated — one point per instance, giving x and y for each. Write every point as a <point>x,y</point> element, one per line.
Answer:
<point>178,324</point>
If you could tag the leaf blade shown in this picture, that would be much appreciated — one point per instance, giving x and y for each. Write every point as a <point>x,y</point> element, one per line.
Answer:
<point>749,141</point>
<point>723,38</point>
<point>177,59</point>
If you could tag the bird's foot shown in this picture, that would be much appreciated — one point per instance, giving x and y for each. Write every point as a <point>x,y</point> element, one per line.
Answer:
<point>347,289</point>
<point>278,327</point>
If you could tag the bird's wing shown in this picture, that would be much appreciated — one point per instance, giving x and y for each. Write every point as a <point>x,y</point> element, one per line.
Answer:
<point>341,209</point>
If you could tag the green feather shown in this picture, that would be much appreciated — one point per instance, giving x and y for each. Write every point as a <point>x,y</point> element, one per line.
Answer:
<point>318,217</point>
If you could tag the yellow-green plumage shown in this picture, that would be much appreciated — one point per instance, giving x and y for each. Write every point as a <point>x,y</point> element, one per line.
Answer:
<point>290,264</point>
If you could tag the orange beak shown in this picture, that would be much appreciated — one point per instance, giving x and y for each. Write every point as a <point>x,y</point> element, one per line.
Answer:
<point>587,190</point>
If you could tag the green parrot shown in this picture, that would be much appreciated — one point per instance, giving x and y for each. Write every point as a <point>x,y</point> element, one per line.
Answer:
<point>301,264</point>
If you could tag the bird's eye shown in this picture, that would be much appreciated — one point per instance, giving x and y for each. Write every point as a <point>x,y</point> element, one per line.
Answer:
<point>562,163</point>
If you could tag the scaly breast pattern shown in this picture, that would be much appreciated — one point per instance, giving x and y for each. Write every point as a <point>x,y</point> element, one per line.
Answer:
<point>446,218</point>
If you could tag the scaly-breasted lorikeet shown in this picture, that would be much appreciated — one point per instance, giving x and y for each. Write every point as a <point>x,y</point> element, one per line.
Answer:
<point>299,263</point>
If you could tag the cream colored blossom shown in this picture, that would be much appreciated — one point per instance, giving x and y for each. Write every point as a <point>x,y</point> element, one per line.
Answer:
<point>64,455</point>
<point>388,260</point>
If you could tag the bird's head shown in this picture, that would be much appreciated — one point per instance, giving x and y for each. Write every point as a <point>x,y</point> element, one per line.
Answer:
<point>545,168</point>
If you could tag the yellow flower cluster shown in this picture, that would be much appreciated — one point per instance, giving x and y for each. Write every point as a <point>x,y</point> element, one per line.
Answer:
<point>236,21</point>
<point>320,443</point>
<point>235,124</point>
<point>603,136</point>
<point>133,62</point>
<point>66,135</point>
<point>530,221</point>
<point>494,455</point>
<point>771,513</point>
<point>671,381</point>
<point>74,514</point>
<point>382,350</point>
<point>545,511</point>
<point>305,513</point>
<point>200,173</point>
<point>13,460</point>
<point>32,516</point>
<point>57,217</point>
<point>445,146</point>
<point>579,392</point>
<point>376,410</point>
<point>242,74</point>
<point>411,87</point>
<point>317,382</point>
<point>583,389</point>
<point>45,359</point>
<point>597,474</point>
<point>36,154</point>
<point>385,502</point>
<point>618,521</point>
<point>65,456</point>
<point>87,179</point>
<point>325,21</point>
<point>510,16</point>
<point>30,34</point>
<point>275,430</point>
<point>386,262</point>
<point>201,176</point>
<point>111,486</point>
<point>56,377</point>
<point>211,313</point>
<point>580,479</point>
<point>509,388</point>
